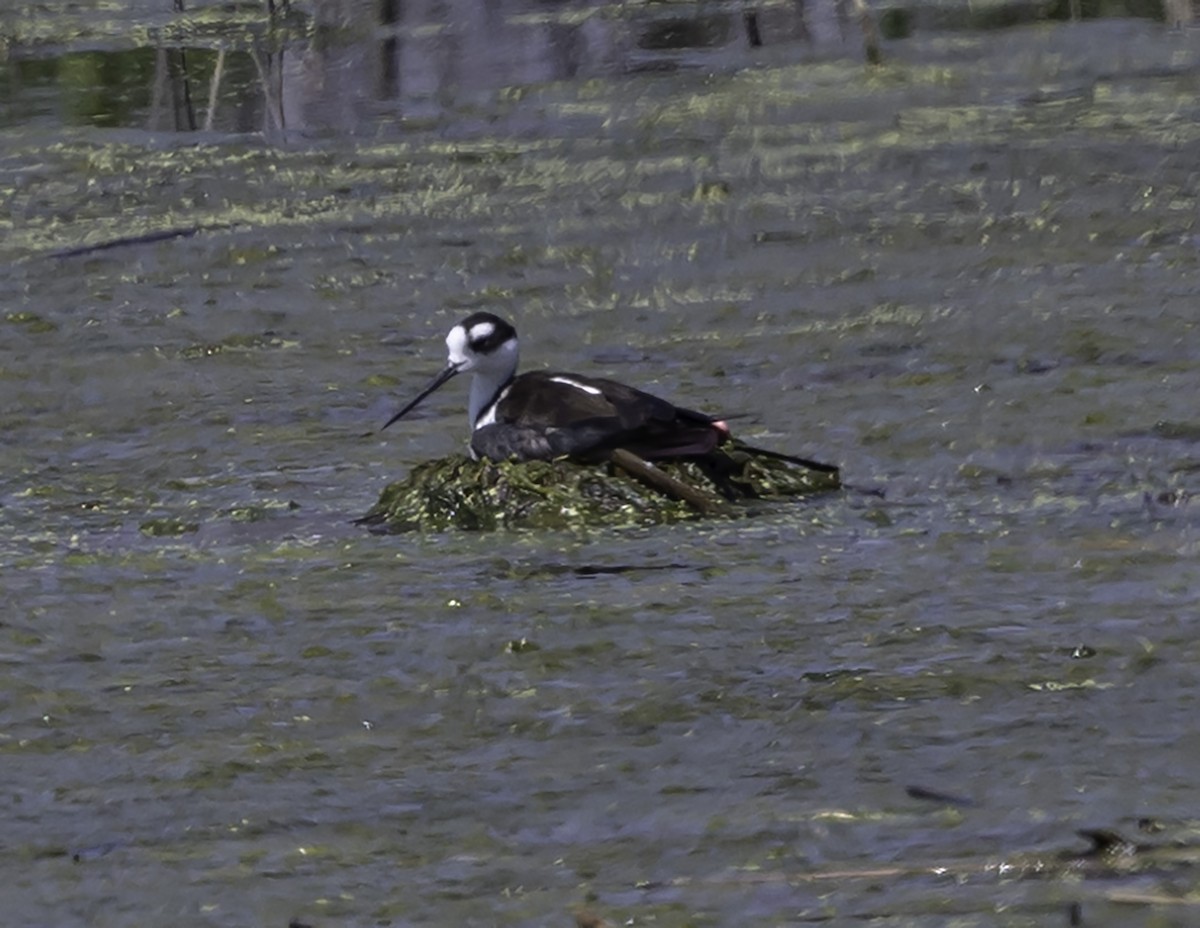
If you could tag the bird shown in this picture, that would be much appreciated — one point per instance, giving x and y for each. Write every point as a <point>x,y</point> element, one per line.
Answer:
<point>545,415</point>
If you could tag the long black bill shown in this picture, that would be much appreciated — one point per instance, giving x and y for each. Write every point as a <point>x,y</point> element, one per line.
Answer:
<point>437,381</point>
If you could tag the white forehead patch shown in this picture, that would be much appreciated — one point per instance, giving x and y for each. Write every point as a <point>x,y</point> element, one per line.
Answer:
<point>482,330</point>
<point>578,386</point>
<point>456,344</point>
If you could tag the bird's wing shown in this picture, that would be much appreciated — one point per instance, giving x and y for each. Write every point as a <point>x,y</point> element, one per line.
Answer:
<point>605,413</point>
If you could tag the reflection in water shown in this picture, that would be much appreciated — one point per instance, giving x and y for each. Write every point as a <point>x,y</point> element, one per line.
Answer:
<point>160,89</point>
<point>686,32</point>
<point>357,66</point>
<point>173,79</point>
<point>352,67</point>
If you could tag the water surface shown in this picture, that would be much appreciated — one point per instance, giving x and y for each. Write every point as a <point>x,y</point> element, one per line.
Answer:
<point>969,276</point>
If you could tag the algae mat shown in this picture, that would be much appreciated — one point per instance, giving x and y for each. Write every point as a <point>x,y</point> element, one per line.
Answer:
<point>562,495</point>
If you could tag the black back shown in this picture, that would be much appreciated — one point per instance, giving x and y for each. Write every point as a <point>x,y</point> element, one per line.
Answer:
<point>583,423</point>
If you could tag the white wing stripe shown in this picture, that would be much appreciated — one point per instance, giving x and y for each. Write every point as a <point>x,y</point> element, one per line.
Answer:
<point>578,386</point>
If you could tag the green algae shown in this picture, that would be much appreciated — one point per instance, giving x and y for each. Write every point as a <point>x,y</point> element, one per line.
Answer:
<point>457,492</point>
<point>167,528</point>
<point>237,343</point>
<point>33,323</point>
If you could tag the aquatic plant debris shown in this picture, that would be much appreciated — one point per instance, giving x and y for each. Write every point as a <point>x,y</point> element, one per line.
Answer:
<point>457,492</point>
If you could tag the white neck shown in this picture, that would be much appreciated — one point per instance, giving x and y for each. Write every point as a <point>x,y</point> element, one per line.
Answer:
<point>484,388</point>
<point>490,374</point>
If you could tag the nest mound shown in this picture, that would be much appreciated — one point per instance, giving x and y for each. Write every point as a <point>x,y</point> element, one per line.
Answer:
<point>457,492</point>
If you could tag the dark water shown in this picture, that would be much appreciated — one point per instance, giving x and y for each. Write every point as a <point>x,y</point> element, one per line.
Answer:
<point>970,276</point>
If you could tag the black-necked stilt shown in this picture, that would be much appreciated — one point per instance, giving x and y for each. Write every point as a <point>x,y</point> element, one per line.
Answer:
<point>541,415</point>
